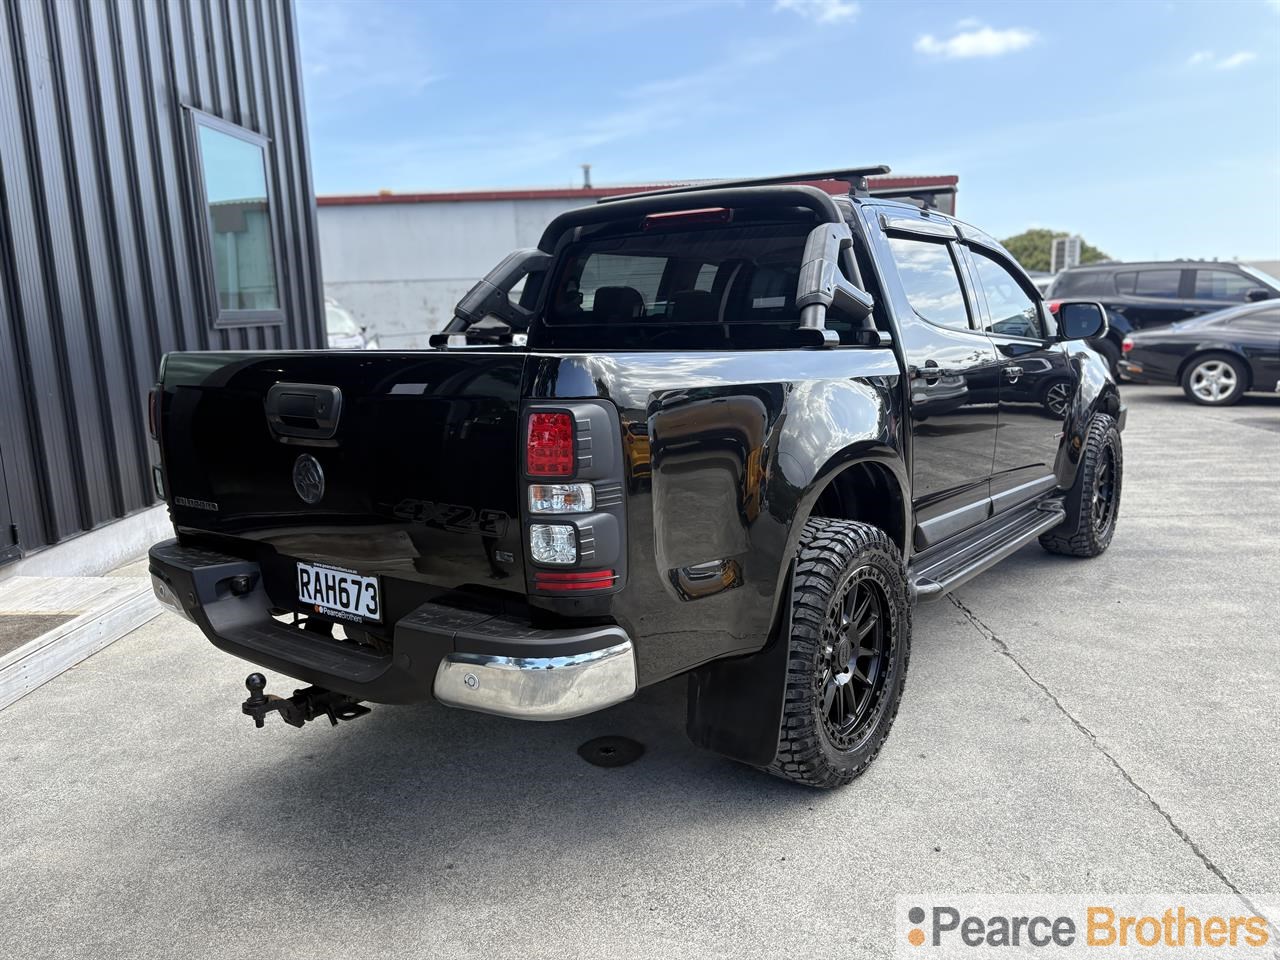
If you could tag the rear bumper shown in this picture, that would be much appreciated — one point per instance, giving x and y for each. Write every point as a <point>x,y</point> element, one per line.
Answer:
<point>474,659</point>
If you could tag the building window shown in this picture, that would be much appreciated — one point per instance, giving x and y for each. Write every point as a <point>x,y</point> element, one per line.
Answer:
<point>241,260</point>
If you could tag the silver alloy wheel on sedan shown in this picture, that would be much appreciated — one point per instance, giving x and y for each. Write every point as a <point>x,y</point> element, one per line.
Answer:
<point>1213,380</point>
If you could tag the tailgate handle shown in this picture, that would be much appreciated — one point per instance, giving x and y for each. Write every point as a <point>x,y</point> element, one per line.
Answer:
<point>304,411</point>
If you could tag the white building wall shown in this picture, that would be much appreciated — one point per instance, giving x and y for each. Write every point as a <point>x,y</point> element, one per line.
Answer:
<point>400,267</point>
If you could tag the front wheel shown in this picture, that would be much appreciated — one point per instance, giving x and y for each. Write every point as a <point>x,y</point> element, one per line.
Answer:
<point>847,654</point>
<point>1093,502</point>
<point>1215,380</point>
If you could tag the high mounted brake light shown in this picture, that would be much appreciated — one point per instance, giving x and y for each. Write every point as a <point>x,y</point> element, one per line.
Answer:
<point>680,218</point>
<point>549,443</point>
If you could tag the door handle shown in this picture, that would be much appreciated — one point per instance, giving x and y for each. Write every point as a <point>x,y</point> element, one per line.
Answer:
<point>1013,373</point>
<point>929,372</point>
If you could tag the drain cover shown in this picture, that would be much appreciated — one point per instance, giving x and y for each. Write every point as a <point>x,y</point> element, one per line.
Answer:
<point>611,751</point>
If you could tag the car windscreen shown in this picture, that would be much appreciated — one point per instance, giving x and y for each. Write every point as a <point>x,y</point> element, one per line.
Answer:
<point>697,287</point>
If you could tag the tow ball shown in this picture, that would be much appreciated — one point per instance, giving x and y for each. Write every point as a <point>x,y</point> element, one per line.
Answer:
<point>307,704</point>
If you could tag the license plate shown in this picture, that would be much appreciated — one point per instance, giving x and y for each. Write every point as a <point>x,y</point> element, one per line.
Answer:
<point>339,593</point>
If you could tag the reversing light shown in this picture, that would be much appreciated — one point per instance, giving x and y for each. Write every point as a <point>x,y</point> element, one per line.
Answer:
<point>563,582</point>
<point>553,543</point>
<point>549,443</point>
<point>561,497</point>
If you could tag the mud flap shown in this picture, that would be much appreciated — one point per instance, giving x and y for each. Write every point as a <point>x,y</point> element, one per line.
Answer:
<point>735,705</point>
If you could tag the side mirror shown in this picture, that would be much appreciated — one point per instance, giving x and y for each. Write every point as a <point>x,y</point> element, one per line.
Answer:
<point>1081,320</point>
<point>1256,295</point>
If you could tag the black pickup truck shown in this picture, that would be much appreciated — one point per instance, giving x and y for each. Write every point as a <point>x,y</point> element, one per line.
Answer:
<point>733,432</point>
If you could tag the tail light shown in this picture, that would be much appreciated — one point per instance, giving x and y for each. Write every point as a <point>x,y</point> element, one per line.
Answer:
<point>549,443</point>
<point>553,542</point>
<point>1127,344</point>
<point>568,580</point>
<point>573,510</point>
<point>561,498</point>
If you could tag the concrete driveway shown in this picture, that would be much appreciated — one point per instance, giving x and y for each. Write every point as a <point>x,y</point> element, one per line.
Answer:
<point>1068,727</point>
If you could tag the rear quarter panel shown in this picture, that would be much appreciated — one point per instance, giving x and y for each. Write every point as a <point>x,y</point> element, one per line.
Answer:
<point>726,454</point>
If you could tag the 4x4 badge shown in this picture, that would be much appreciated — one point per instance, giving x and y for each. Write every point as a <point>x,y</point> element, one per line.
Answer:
<point>308,478</point>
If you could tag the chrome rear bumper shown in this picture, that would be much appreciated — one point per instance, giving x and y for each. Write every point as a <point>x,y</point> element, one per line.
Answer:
<point>538,688</point>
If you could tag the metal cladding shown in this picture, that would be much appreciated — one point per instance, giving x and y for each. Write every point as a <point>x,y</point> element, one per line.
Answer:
<point>102,268</point>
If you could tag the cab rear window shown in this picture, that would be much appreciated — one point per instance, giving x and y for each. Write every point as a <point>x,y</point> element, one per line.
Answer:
<point>698,287</point>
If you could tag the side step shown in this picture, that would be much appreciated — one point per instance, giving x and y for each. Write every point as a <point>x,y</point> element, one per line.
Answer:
<point>937,571</point>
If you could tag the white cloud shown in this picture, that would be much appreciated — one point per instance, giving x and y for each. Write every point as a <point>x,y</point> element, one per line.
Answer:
<point>820,11</point>
<point>1230,62</point>
<point>1236,60</point>
<point>979,42</point>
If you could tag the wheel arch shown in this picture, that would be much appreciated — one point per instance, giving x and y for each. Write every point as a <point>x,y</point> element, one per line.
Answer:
<point>866,489</point>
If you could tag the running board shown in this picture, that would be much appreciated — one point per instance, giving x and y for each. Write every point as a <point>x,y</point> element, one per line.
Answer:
<point>933,574</point>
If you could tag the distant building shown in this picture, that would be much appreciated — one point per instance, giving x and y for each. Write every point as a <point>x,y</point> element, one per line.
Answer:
<point>155,195</point>
<point>399,261</point>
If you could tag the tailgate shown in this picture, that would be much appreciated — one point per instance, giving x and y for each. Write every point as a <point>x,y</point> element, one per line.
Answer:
<point>403,466</point>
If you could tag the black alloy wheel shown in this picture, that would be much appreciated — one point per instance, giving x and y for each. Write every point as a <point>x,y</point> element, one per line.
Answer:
<point>855,654</point>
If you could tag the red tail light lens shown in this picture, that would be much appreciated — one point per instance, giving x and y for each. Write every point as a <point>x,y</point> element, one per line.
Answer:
<point>549,443</point>
<point>569,580</point>
<point>1053,305</point>
<point>1127,344</point>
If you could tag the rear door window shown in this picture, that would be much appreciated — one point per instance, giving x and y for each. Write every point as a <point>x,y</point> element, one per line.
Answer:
<point>1086,284</point>
<point>1149,283</point>
<point>929,278</point>
<point>1223,285</point>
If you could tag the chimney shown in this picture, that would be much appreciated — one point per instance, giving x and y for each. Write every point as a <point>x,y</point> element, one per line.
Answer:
<point>586,176</point>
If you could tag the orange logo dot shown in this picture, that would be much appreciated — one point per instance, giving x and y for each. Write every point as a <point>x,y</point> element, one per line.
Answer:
<point>915,937</point>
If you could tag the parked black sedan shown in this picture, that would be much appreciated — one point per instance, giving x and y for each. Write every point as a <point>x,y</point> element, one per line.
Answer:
<point>1216,357</point>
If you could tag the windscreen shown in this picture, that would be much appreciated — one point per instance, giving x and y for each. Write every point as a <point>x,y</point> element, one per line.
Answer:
<point>714,286</point>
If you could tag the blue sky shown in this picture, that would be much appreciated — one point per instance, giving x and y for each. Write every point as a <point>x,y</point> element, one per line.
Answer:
<point>1151,128</point>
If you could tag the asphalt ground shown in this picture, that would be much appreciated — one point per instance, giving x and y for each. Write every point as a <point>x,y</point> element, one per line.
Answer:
<point>1068,727</point>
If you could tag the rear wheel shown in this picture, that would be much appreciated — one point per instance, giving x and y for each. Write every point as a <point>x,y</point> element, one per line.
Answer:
<point>1215,380</point>
<point>847,654</point>
<point>1093,502</point>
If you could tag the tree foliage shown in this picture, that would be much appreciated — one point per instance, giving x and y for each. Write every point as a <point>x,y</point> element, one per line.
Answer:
<point>1032,249</point>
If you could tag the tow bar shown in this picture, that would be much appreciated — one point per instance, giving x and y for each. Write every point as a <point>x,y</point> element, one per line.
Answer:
<point>304,705</point>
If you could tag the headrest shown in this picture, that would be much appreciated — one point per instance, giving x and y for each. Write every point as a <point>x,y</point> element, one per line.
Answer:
<point>693,306</point>
<point>617,304</point>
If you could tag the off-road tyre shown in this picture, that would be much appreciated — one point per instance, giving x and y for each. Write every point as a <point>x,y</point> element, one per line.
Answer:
<point>1093,502</point>
<point>836,557</point>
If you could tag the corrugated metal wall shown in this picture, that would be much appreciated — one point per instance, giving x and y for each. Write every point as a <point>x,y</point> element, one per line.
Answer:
<point>100,263</point>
